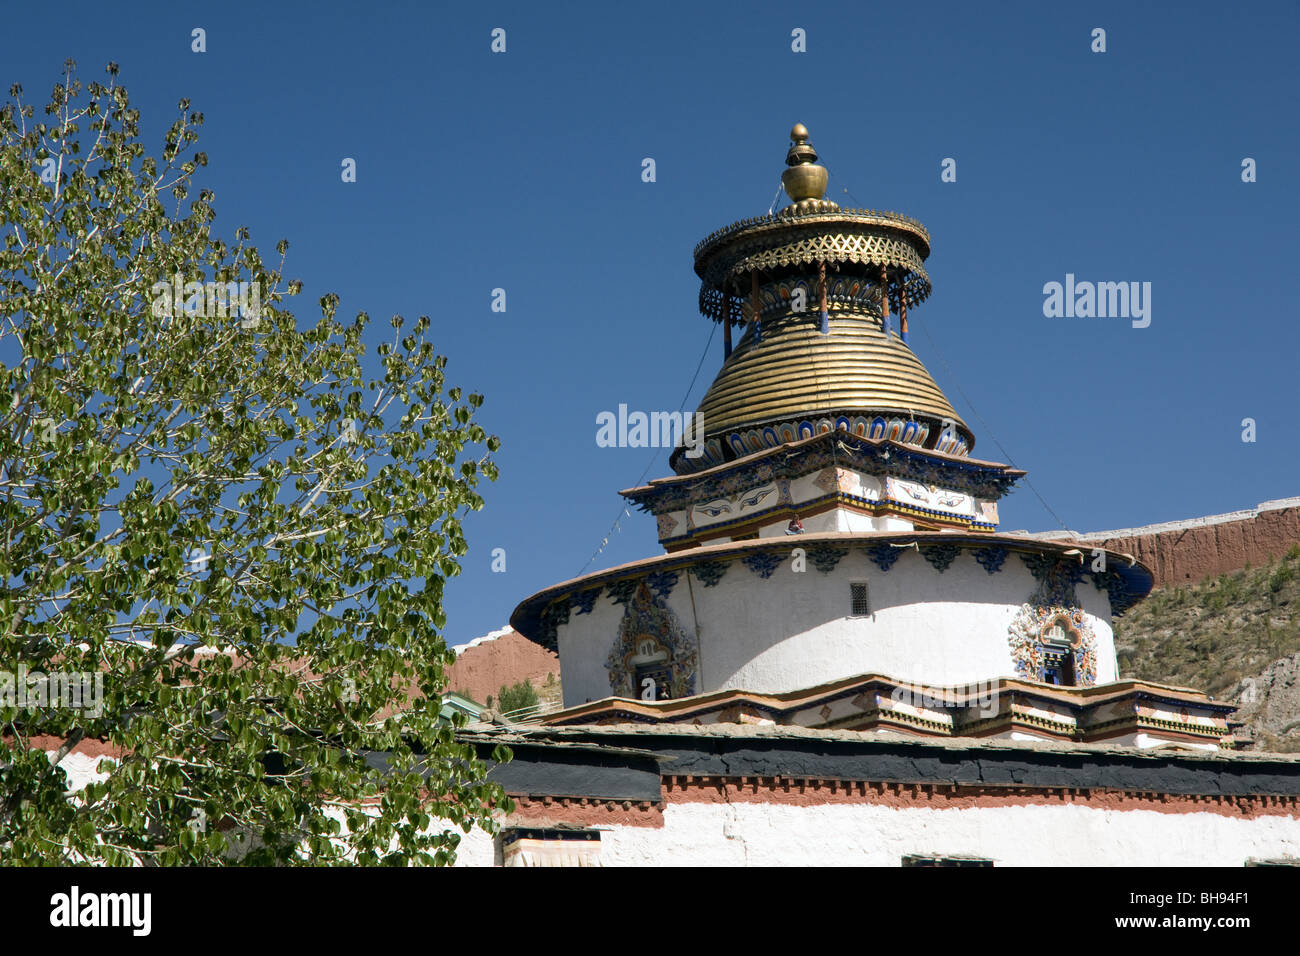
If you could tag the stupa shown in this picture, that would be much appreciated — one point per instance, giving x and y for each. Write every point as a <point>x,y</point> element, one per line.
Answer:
<point>832,557</point>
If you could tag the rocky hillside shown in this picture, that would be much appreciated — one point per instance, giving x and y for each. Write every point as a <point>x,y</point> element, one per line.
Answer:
<point>1236,636</point>
<point>1270,707</point>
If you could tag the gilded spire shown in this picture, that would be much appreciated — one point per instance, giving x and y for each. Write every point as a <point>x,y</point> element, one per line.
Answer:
<point>801,151</point>
<point>804,180</point>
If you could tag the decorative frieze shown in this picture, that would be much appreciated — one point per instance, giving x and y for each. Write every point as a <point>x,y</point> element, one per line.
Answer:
<point>824,557</point>
<point>662,583</point>
<point>843,292</point>
<point>553,615</point>
<point>620,592</point>
<point>991,559</point>
<point>763,564</point>
<point>1111,582</point>
<point>776,244</point>
<point>883,555</point>
<point>1044,635</point>
<point>981,709</point>
<point>905,430</point>
<point>584,601</point>
<point>653,658</point>
<point>843,442</point>
<point>1056,577</point>
<point>709,573</point>
<point>940,556</point>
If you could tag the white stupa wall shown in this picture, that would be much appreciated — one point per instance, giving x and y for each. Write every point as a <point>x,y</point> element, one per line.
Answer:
<point>794,630</point>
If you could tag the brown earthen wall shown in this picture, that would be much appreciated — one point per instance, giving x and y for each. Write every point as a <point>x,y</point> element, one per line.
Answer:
<point>480,671</point>
<point>1187,555</point>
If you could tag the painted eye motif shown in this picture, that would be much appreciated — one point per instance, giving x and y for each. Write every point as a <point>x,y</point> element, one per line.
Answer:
<point>752,500</point>
<point>915,494</point>
<point>715,508</point>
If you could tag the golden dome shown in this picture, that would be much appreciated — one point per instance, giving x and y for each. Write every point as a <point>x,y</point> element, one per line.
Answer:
<point>797,372</point>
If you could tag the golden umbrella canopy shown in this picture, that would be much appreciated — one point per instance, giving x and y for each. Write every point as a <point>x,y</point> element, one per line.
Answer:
<point>796,371</point>
<point>815,287</point>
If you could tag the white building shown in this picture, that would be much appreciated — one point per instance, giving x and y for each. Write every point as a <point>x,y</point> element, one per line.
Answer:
<point>838,657</point>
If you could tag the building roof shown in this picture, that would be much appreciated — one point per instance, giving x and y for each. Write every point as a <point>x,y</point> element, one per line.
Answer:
<point>639,738</point>
<point>960,697</point>
<point>630,760</point>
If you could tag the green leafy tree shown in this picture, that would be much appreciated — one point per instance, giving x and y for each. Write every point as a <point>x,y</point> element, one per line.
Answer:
<point>244,532</point>
<point>517,697</point>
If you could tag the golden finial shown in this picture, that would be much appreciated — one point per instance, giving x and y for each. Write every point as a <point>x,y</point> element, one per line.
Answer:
<point>804,179</point>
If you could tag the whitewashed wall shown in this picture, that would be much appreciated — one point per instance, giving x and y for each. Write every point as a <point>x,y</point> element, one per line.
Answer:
<point>793,630</point>
<point>764,834</point>
<point>81,769</point>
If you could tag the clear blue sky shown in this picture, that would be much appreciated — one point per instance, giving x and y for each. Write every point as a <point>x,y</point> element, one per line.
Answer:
<point>522,171</point>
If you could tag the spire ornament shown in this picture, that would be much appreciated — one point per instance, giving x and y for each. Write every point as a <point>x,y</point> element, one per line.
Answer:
<point>804,181</point>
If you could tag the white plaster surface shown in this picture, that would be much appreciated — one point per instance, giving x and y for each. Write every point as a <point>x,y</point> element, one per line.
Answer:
<point>763,834</point>
<point>80,769</point>
<point>476,849</point>
<point>793,630</point>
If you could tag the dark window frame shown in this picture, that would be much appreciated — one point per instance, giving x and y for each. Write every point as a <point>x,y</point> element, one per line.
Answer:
<point>864,603</point>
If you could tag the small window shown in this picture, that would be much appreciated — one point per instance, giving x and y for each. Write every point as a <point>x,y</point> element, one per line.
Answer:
<point>653,681</point>
<point>1058,666</point>
<point>652,674</point>
<point>859,606</point>
<point>1059,639</point>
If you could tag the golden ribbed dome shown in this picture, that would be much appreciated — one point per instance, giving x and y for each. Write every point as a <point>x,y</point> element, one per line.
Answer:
<point>796,372</point>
